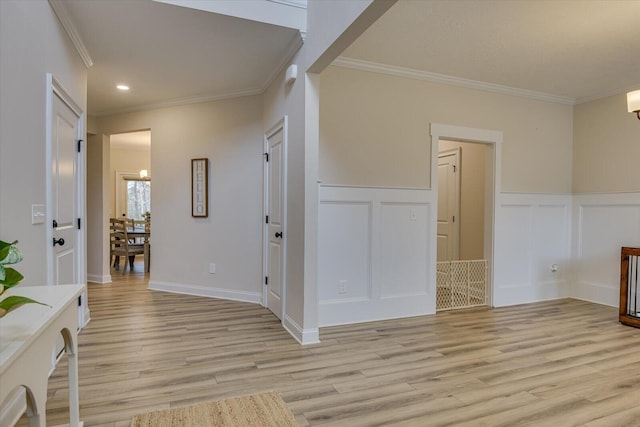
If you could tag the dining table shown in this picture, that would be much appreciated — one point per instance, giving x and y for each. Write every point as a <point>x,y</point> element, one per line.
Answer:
<point>144,234</point>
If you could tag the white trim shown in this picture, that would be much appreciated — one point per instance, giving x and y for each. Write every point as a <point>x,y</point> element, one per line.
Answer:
<point>181,101</point>
<point>617,91</point>
<point>301,4</point>
<point>409,73</point>
<point>96,278</point>
<point>62,13</point>
<point>303,336</point>
<point>206,291</point>
<point>467,134</point>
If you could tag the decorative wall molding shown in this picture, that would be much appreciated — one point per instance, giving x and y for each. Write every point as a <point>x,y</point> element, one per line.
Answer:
<point>62,13</point>
<point>533,233</point>
<point>602,224</point>
<point>373,252</point>
<point>409,73</point>
<point>205,291</point>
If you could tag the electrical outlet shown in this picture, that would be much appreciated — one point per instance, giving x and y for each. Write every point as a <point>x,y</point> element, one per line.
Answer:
<point>342,287</point>
<point>212,268</point>
<point>554,268</point>
<point>413,216</point>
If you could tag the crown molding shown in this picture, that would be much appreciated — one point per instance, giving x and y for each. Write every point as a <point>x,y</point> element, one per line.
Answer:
<point>64,17</point>
<point>301,4</point>
<point>180,101</point>
<point>618,91</point>
<point>293,48</point>
<point>409,73</point>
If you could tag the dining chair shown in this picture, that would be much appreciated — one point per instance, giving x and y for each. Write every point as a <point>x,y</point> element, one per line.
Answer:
<point>121,246</point>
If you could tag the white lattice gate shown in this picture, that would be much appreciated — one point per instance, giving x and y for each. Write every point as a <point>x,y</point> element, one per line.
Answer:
<point>461,284</point>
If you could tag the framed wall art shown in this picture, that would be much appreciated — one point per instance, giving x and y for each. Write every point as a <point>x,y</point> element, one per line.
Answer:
<point>200,188</point>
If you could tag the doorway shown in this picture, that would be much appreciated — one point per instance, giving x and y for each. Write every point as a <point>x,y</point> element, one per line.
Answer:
<point>275,191</point>
<point>475,261</point>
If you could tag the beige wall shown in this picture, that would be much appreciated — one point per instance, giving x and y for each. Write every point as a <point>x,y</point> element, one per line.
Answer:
<point>32,44</point>
<point>126,160</point>
<point>97,208</point>
<point>374,131</point>
<point>472,196</point>
<point>229,134</point>
<point>606,147</point>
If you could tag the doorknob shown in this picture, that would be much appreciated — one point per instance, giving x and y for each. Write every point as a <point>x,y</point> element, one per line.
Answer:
<point>59,241</point>
<point>279,234</point>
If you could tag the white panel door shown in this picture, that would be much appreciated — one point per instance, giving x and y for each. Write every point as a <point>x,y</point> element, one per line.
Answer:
<point>448,205</point>
<point>64,191</point>
<point>275,224</point>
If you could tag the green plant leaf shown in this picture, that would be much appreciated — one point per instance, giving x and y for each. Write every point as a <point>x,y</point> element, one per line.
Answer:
<point>13,302</point>
<point>11,278</point>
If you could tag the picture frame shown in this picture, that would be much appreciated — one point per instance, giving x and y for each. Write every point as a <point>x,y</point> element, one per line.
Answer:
<point>200,188</point>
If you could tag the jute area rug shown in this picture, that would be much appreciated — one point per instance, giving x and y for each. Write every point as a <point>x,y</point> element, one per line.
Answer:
<point>255,410</point>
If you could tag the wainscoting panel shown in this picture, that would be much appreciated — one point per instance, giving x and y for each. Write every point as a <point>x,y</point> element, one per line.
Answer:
<point>603,223</point>
<point>533,238</point>
<point>374,259</point>
<point>344,252</point>
<point>405,243</point>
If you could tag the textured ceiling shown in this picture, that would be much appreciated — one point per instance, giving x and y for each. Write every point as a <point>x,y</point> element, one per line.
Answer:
<point>574,48</point>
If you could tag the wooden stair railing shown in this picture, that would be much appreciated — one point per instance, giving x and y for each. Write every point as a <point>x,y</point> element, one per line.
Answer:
<point>630,287</point>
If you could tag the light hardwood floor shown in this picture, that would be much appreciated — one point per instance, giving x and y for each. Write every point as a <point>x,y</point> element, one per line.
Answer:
<point>558,363</point>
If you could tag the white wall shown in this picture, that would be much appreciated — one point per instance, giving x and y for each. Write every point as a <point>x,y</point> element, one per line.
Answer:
<point>97,209</point>
<point>32,44</point>
<point>229,134</point>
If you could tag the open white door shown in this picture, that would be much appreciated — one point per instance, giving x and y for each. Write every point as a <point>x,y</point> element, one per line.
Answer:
<point>449,205</point>
<point>275,218</point>
<point>65,192</point>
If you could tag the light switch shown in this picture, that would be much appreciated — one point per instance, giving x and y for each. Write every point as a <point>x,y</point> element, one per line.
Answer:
<point>38,214</point>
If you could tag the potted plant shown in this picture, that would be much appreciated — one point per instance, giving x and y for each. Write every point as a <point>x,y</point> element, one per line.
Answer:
<point>9,277</point>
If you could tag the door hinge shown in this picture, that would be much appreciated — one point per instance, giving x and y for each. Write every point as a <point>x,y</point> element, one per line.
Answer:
<point>266,280</point>
<point>80,301</point>
<point>266,156</point>
<point>55,224</point>
<point>454,168</point>
<point>266,219</point>
<point>79,145</point>
<point>78,223</point>
<point>454,219</point>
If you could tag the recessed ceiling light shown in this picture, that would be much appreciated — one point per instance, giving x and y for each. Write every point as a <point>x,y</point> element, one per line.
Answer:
<point>122,87</point>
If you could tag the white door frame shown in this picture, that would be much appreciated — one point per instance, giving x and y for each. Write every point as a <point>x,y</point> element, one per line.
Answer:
<point>282,124</point>
<point>54,88</point>
<point>492,198</point>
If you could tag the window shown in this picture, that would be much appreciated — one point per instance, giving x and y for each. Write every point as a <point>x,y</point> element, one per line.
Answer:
<point>138,198</point>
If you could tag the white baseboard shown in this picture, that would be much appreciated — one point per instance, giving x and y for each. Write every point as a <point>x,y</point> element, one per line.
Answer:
<point>203,291</point>
<point>303,336</point>
<point>101,279</point>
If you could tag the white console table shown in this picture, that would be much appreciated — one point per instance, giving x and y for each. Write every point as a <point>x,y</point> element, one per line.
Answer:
<point>27,338</point>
